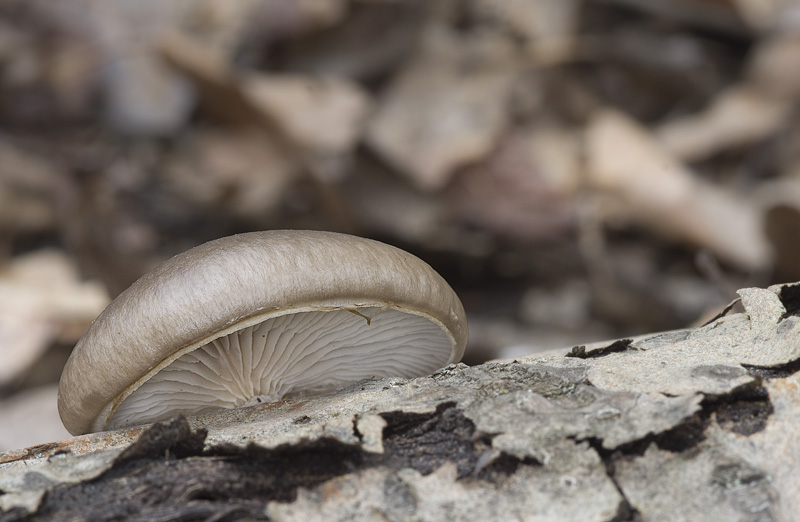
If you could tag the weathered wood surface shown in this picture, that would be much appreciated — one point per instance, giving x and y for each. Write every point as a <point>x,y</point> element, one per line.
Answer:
<point>700,424</point>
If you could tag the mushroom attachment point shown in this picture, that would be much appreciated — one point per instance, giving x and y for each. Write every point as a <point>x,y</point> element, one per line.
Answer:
<point>256,317</point>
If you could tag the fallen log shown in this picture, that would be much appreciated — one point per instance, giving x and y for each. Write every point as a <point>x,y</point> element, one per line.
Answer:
<point>696,424</point>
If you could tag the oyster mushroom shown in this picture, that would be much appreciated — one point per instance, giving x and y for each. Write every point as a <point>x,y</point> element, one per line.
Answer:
<point>256,317</point>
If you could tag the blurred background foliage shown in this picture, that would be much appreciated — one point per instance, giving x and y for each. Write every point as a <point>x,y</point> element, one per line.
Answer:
<point>576,169</point>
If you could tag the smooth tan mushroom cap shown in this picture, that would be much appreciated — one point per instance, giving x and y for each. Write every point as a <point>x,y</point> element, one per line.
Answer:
<point>210,290</point>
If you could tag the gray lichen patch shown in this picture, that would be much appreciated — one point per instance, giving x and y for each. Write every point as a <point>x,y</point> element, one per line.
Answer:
<point>701,485</point>
<point>712,359</point>
<point>734,476</point>
<point>528,423</point>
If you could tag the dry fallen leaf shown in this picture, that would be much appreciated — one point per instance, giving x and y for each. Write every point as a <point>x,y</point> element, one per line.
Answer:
<point>548,27</point>
<point>772,68</point>
<point>446,108</point>
<point>317,121</point>
<point>758,106</point>
<point>244,172</point>
<point>525,189</point>
<point>321,115</point>
<point>763,14</point>
<point>738,117</point>
<point>647,186</point>
<point>42,298</point>
<point>141,94</point>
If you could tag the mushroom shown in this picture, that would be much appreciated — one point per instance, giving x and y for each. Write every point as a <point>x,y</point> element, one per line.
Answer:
<point>257,317</point>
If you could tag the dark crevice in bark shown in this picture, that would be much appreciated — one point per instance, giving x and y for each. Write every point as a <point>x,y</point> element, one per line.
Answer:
<point>505,465</point>
<point>780,371</point>
<point>725,311</point>
<point>790,297</point>
<point>426,441</point>
<point>682,437</point>
<point>303,419</point>
<point>173,437</point>
<point>13,515</point>
<point>356,431</point>
<point>615,347</point>
<point>744,412</point>
<point>626,512</point>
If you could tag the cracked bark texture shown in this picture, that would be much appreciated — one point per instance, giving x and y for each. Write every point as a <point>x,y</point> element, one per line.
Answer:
<point>700,424</point>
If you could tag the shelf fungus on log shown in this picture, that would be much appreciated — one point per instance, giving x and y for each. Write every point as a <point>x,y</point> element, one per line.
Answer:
<point>253,318</point>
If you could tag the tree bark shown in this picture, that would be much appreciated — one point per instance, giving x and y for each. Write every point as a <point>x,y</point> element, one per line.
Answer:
<point>697,424</point>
